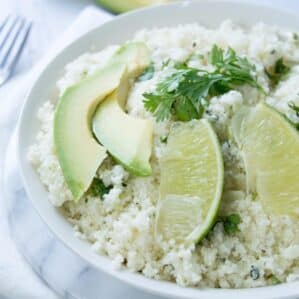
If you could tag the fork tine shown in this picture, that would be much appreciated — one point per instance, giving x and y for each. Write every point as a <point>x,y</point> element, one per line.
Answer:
<point>8,24</point>
<point>10,41</point>
<point>3,21</point>
<point>18,46</point>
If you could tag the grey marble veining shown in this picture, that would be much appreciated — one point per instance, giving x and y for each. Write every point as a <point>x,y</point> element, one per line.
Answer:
<point>65,272</point>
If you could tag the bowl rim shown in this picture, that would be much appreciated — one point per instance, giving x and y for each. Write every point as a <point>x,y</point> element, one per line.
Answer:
<point>162,288</point>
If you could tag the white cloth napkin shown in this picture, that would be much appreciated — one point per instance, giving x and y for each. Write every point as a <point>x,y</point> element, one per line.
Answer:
<point>17,280</point>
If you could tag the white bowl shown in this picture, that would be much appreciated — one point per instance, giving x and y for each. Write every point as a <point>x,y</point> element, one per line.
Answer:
<point>122,28</point>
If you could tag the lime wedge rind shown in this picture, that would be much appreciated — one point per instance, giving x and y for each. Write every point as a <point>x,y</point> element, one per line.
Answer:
<point>270,147</point>
<point>202,183</point>
<point>200,232</point>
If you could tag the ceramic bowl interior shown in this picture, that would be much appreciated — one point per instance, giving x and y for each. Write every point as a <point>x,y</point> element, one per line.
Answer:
<point>210,13</point>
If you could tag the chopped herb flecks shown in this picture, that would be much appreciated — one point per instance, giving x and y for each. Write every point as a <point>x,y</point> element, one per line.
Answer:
<point>274,280</point>
<point>163,139</point>
<point>295,108</point>
<point>185,94</point>
<point>230,223</point>
<point>254,273</point>
<point>254,195</point>
<point>98,188</point>
<point>166,63</point>
<point>277,72</point>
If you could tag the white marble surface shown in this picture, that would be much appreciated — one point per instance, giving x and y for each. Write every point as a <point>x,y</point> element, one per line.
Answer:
<point>70,276</point>
<point>50,18</point>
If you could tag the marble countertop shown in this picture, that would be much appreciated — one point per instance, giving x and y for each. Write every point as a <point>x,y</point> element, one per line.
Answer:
<point>50,17</point>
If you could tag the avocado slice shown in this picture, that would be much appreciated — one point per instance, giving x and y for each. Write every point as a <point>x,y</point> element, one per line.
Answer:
<point>78,152</point>
<point>127,139</point>
<point>136,57</point>
<point>120,6</point>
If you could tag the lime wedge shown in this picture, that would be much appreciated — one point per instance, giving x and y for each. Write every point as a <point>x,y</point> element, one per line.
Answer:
<point>191,182</point>
<point>270,146</point>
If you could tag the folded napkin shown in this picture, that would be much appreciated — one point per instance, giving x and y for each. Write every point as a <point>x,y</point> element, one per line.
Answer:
<point>17,280</point>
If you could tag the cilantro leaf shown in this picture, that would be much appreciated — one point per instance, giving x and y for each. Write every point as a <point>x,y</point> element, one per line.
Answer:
<point>98,188</point>
<point>161,109</point>
<point>277,72</point>
<point>216,55</point>
<point>230,223</point>
<point>185,94</point>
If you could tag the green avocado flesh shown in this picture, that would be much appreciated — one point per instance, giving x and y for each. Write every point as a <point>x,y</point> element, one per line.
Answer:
<point>79,154</point>
<point>130,146</point>
<point>127,139</point>
<point>119,6</point>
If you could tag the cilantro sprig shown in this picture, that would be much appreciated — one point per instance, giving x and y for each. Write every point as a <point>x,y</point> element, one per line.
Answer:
<point>277,72</point>
<point>185,94</point>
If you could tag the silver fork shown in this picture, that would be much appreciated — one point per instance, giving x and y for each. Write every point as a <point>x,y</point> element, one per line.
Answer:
<point>14,31</point>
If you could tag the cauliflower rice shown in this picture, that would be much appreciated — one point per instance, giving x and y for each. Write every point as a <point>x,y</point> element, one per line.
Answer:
<point>264,251</point>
